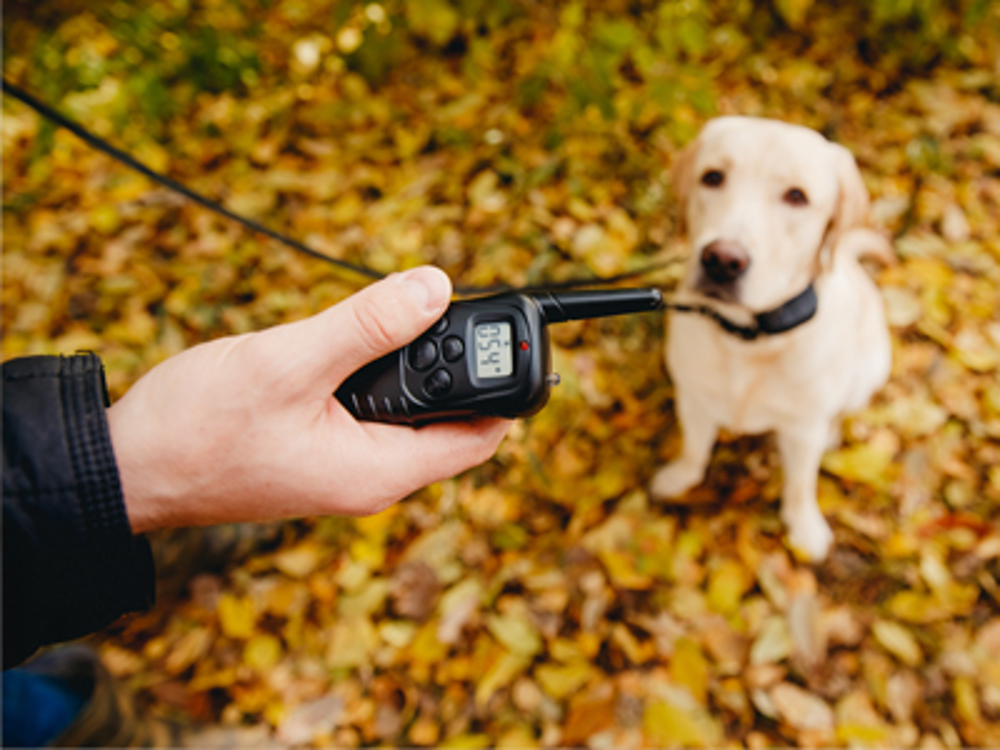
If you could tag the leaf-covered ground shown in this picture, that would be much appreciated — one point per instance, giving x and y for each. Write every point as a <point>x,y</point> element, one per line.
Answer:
<point>541,599</point>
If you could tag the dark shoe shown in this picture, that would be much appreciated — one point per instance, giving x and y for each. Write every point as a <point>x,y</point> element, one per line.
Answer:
<point>108,717</point>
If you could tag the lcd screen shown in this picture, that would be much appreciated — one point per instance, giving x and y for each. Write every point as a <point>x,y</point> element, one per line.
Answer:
<point>494,350</point>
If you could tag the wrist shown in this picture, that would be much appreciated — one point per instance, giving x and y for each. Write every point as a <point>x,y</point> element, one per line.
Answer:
<point>150,493</point>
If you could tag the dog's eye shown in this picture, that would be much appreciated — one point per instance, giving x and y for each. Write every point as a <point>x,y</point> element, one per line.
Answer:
<point>795,197</point>
<point>713,178</point>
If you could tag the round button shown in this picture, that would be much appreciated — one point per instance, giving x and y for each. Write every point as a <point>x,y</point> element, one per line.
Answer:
<point>438,383</point>
<point>441,326</point>
<point>423,354</point>
<point>452,348</point>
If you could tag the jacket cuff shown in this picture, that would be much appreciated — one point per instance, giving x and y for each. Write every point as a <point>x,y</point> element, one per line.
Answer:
<point>126,559</point>
<point>71,562</point>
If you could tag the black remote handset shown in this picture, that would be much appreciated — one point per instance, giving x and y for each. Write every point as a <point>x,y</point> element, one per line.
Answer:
<point>485,356</point>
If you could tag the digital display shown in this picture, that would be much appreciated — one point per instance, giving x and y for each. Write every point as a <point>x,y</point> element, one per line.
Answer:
<point>494,350</point>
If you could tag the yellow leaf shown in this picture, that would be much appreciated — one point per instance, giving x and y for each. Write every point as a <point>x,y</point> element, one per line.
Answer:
<point>434,19</point>
<point>299,561</point>
<point>565,650</point>
<point>105,218</point>
<point>438,547</point>
<point>351,643</point>
<point>858,722</point>
<point>866,463</point>
<point>501,673</point>
<point>189,649</point>
<point>517,737</point>
<point>397,633</point>
<point>516,633</point>
<point>366,600</point>
<point>621,567</point>
<point>672,726</point>
<point>635,652</point>
<point>425,731</point>
<point>223,678</point>
<point>966,700</point>
<point>236,615</point>
<point>562,681</point>
<point>774,642</point>
<point>286,597</point>
<point>727,584</point>
<point>484,192</point>
<point>614,543</point>
<point>974,350</point>
<point>347,209</point>
<point>377,526</point>
<point>262,652</point>
<point>793,11</point>
<point>467,742</point>
<point>688,667</point>
<point>368,552</point>
<point>898,641</point>
<point>426,647</point>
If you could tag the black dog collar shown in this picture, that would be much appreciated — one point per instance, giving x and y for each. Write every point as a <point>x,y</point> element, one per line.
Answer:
<point>793,313</point>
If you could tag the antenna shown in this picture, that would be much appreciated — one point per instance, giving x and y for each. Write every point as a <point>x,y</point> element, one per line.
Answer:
<point>558,307</point>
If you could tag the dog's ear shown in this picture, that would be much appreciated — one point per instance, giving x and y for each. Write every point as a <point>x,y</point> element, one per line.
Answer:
<point>851,210</point>
<point>681,177</point>
<point>853,203</point>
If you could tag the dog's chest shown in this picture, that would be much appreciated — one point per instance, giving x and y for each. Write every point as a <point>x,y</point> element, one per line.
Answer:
<point>745,388</point>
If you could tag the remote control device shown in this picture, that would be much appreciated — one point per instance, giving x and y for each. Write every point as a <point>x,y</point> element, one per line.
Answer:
<point>485,356</point>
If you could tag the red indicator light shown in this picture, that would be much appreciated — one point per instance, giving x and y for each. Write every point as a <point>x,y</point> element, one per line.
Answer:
<point>524,346</point>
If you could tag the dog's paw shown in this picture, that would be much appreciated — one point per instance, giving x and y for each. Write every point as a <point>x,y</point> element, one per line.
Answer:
<point>674,480</point>
<point>809,535</point>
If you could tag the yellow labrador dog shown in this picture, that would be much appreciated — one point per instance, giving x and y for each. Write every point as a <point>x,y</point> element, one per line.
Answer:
<point>794,333</point>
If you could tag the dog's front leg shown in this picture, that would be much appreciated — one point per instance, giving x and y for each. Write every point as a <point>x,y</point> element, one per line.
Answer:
<point>688,469</point>
<point>801,448</point>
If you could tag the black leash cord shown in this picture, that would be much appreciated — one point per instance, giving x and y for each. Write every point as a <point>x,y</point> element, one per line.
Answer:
<point>103,146</point>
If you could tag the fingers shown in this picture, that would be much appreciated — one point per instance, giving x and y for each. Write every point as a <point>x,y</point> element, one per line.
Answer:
<point>423,456</point>
<point>375,321</point>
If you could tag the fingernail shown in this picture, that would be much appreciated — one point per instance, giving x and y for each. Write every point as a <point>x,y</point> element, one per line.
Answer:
<point>429,287</point>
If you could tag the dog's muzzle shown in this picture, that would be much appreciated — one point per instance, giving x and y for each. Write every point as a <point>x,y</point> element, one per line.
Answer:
<point>724,261</point>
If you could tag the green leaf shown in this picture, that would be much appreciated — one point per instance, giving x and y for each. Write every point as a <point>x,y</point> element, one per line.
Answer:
<point>516,633</point>
<point>433,19</point>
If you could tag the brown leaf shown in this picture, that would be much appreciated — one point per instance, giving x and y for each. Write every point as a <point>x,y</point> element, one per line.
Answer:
<point>414,590</point>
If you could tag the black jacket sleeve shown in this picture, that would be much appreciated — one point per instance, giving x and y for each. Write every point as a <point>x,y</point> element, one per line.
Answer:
<point>71,564</point>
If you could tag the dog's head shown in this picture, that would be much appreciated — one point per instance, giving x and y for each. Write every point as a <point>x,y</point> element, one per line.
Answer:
<point>764,203</point>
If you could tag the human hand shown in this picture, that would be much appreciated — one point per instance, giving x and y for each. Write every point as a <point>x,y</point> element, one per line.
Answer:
<point>247,428</point>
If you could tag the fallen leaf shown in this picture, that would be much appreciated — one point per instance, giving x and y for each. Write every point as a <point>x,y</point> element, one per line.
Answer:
<point>773,643</point>
<point>237,616</point>
<point>561,681</point>
<point>310,719</point>
<point>898,641</point>
<point>671,725</point>
<point>414,590</point>
<point>801,709</point>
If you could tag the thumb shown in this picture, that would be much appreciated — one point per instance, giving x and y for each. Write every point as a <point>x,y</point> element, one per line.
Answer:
<point>379,319</point>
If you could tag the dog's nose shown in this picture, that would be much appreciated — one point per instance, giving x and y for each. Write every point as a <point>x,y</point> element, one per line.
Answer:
<point>724,261</point>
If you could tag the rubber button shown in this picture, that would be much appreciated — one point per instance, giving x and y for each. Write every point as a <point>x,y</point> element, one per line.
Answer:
<point>453,348</point>
<point>441,326</point>
<point>423,354</point>
<point>438,383</point>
